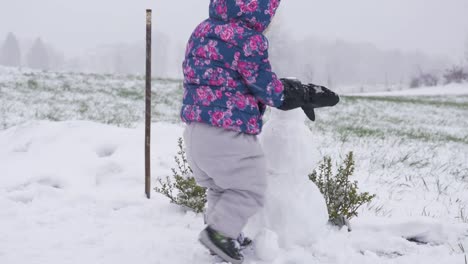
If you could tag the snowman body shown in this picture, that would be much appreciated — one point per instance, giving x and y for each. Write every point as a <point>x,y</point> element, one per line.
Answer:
<point>294,210</point>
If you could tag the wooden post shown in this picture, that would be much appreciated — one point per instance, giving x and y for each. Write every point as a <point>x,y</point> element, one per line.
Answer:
<point>148,107</point>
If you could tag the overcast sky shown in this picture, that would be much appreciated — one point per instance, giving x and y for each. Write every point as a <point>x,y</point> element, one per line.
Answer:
<point>433,26</point>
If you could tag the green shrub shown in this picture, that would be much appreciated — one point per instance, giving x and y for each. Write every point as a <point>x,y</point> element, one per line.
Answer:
<point>181,188</point>
<point>341,195</point>
<point>32,84</point>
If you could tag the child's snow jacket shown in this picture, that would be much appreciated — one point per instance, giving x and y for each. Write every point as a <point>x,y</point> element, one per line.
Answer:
<point>227,75</point>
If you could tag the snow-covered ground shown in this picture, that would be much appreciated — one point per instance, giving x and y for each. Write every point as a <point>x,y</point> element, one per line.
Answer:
<point>110,99</point>
<point>72,191</point>
<point>449,89</point>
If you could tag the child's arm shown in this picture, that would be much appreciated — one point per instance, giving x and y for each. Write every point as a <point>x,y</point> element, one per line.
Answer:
<point>255,69</point>
<point>284,94</point>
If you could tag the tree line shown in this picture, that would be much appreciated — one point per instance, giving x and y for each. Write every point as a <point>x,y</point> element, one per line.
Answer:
<point>336,64</point>
<point>359,66</point>
<point>38,56</point>
<point>120,58</point>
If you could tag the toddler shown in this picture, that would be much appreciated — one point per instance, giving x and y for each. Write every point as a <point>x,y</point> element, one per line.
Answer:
<point>228,82</point>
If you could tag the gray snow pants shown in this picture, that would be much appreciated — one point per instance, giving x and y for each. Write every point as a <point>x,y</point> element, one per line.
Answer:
<point>232,166</point>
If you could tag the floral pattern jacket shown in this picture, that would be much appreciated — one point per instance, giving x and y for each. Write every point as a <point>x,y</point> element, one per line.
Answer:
<point>228,79</point>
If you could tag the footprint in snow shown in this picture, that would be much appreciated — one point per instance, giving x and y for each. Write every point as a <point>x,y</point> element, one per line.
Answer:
<point>105,151</point>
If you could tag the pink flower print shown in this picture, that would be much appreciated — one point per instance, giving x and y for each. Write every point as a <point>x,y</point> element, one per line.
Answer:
<point>227,123</point>
<point>258,26</point>
<point>203,30</point>
<point>272,6</point>
<point>217,116</point>
<point>232,83</point>
<point>201,93</point>
<point>205,96</point>
<point>190,76</point>
<point>239,122</point>
<point>276,86</point>
<point>258,42</point>
<point>240,103</point>
<point>219,94</point>
<point>235,63</point>
<point>239,30</point>
<point>200,62</point>
<point>213,52</point>
<point>248,70</point>
<point>252,121</point>
<point>192,113</point>
<point>210,98</point>
<point>240,100</point>
<point>252,101</point>
<point>253,127</point>
<point>226,32</point>
<point>189,72</point>
<point>250,7</point>
<point>221,8</point>
<point>209,51</point>
<point>255,44</point>
<point>201,52</point>
<point>244,69</point>
<point>217,77</point>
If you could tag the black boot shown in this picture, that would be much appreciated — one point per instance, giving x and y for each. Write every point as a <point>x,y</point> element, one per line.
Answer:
<point>226,248</point>
<point>244,241</point>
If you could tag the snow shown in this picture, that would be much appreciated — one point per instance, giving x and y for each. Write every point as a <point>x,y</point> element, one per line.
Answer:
<point>295,210</point>
<point>267,245</point>
<point>449,89</point>
<point>72,191</point>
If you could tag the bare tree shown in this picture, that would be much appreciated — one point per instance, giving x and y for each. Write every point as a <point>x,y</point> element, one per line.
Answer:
<point>38,57</point>
<point>456,74</point>
<point>10,54</point>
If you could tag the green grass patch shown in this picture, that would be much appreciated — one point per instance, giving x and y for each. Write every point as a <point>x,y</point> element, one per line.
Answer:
<point>431,137</point>
<point>360,131</point>
<point>429,101</point>
<point>131,94</point>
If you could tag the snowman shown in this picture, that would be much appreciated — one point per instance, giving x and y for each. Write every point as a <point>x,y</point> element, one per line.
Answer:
<point>295,212</point>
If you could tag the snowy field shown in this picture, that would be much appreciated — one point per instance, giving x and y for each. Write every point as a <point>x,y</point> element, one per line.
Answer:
<point>71,166</point>
<point>108,99</point>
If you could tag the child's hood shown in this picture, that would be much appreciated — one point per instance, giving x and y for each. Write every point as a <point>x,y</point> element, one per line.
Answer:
<point>256,14</point>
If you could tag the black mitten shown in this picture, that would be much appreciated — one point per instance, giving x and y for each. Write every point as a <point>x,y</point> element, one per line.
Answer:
<point>309,111</point>
<point>297,95</point>
<point>320,96</point>
<point>293,94</point>
<point>306,96</point>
